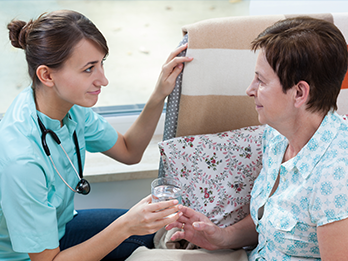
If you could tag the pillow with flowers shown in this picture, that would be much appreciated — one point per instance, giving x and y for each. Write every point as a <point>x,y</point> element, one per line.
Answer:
<point>217,171</point>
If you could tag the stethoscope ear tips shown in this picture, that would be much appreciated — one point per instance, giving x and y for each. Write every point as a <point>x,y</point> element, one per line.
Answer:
<point>83,187</point>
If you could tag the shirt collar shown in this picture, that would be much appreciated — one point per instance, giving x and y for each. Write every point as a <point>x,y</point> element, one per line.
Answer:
<point>49,123</point>
<point>312,152</point>
<point>54,125</point>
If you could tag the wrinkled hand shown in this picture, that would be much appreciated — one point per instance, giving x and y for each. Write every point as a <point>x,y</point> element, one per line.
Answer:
<point>198,229</point>
<point>147,218</point>
<point>170,71</point>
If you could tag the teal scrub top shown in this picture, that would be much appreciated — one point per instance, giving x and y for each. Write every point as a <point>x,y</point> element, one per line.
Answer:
<point>35,204</point>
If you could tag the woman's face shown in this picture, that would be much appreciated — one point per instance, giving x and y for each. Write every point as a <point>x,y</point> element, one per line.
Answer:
<point>272,104</point>
<point>80,79</point>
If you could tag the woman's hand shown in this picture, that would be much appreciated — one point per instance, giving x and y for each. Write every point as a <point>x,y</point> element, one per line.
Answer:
<point>197,229</point>
<point>147,218</point>
<point>170,71</point>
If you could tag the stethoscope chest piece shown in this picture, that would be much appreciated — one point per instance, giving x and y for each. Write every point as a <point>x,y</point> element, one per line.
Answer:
<point>83,187</point>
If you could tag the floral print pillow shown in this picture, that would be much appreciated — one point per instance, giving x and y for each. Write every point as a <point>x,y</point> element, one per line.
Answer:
<point>217,171</point>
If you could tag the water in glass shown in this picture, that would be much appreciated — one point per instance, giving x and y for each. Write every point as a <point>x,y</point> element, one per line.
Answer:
<point>165,193</point>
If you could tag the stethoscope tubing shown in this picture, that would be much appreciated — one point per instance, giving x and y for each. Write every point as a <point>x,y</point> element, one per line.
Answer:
<point>82,182</point>
<point>66,183</point>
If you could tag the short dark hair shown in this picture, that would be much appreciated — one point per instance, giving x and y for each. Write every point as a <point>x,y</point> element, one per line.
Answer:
<point>308,49</point>
<point>50,39</point>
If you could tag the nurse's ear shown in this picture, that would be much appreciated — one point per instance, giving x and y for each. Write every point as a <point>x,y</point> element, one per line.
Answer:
<point>301,93</point>
<point>43,72</point>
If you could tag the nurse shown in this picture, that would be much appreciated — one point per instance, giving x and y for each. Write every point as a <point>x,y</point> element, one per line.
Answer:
<point>44,136</point>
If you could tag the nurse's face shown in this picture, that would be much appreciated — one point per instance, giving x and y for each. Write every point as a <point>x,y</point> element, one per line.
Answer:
<point>273,106</point>
<point>80,79</point>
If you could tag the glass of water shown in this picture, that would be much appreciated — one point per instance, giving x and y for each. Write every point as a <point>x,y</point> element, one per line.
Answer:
<point>165,188</point>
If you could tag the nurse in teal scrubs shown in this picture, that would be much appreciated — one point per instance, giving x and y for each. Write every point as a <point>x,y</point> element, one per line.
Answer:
<point>44,136</point>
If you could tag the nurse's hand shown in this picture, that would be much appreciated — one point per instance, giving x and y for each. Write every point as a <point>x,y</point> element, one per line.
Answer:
<point>197,229</point>
<point>170,71</point>
<point>147,218</point>
<point>129,148</point>
<point>144,218</point>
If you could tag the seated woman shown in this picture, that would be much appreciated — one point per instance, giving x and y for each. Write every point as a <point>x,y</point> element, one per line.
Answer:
<point>44,136</point>
<point>299,202</point>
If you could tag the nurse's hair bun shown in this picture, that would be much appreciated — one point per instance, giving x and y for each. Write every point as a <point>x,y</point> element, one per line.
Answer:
<point>18,33</point>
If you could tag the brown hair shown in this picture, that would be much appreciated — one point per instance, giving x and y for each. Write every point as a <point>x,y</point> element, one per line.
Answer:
<point>308,49</point>
<point>50,39</point>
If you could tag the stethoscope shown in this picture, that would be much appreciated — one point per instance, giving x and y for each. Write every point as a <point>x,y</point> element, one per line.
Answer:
<point>83,186</point>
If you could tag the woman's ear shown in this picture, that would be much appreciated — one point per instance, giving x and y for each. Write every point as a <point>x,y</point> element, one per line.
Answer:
<point>44,74</point>
<point>302,93</point>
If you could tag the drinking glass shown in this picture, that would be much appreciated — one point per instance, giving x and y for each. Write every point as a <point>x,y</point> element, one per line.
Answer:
<point>165,188</point>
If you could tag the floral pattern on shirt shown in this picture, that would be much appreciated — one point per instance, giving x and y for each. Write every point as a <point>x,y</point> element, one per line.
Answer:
<point>312,191</point>
<point>217,171</point>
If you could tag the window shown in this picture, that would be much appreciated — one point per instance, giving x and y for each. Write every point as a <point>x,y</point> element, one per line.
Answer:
<point>140,35</point>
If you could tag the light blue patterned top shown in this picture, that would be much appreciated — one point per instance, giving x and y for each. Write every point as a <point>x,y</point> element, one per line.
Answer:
<point>35,204</point>
<point>313,191</point>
